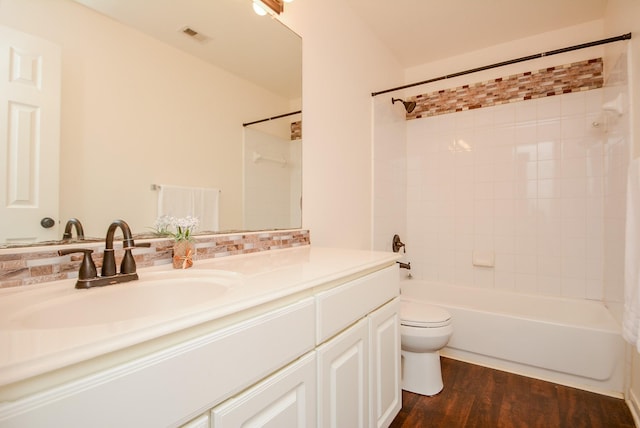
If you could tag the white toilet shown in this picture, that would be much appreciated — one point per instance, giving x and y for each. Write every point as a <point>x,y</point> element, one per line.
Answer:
<point>424,330</point>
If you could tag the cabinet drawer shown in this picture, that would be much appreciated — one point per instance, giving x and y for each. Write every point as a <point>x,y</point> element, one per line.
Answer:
<point>340,307</point>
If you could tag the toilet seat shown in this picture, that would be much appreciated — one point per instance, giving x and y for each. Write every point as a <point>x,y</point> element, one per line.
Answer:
<point>423,315</point>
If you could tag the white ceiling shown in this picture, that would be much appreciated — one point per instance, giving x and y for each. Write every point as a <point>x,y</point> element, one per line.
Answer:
<point>421,31</point>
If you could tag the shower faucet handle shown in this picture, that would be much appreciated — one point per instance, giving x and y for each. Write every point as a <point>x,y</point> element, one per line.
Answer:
<point>397,244</point>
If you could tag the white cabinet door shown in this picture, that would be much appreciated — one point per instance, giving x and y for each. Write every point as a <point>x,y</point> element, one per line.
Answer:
<point>384,363</point>
<point>201,421</point>
<point>343,379</point>
<point>286,399</point>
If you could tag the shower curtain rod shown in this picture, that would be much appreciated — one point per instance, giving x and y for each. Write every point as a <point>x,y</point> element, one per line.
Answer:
<point>511,61</point>
<point>272,118</point>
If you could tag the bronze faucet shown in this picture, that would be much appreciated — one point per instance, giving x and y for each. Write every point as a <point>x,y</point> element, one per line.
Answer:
<point>128,265</point>
<point>88,275</point>
<point>73,222</point>
<point>404,265</point>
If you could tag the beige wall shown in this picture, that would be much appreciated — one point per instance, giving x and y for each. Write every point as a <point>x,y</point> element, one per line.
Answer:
<point>137,112</point>
<point>539,43</point>
<point>342,64</point>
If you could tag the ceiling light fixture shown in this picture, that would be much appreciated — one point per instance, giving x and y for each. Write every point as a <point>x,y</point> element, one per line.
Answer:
<point>261,7</point>
<point>258,9</point>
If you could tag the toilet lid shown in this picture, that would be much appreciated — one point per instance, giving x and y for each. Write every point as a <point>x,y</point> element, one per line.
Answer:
<point>418,314</point>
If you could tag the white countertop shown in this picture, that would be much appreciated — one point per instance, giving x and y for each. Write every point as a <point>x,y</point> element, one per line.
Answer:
<point>253,280</point>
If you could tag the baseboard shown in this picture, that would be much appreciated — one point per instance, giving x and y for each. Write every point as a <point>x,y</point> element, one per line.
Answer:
<point>634,407</point>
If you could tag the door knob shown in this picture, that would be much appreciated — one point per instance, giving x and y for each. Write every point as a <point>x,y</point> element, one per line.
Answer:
<point>47,222</point>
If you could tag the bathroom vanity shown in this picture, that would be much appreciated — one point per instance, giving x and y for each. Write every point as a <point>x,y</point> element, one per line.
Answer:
<point>290,338</point>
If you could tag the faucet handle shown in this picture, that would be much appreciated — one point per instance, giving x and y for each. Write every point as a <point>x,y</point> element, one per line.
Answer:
<point>87,267</point>
<point>128,264</point>
<point>397,244</point>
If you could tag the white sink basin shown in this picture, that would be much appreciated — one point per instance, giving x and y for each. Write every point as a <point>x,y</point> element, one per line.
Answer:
<point>155,294</point>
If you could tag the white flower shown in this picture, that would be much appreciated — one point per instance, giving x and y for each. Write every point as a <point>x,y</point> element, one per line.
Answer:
<point>179,228</point>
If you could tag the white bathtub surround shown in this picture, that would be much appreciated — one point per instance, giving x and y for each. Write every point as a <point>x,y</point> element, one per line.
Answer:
<point>522,180</point>
<point>568,341</point>
<point>631,313</point>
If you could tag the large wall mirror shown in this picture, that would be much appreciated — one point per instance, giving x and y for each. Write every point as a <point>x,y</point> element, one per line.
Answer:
<point>156,93</point>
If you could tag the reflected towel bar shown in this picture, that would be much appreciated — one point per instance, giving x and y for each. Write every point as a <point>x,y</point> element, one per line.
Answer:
<point>155,187</point>
<point>258,157</point>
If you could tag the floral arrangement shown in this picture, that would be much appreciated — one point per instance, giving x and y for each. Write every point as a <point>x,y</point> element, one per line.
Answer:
<point>181,229</point>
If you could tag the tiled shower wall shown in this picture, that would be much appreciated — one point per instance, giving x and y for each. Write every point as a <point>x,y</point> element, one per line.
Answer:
<point>521,181</point>
<point>390,174</point>
<point>525,177</point>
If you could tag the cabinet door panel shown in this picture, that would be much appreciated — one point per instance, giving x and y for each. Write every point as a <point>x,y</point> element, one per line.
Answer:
<point>285,399</point>
<point>201,421</point>
<point>343,379</point>
<point>384,361</point>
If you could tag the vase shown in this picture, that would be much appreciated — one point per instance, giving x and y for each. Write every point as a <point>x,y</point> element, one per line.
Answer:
<point>183,254</point>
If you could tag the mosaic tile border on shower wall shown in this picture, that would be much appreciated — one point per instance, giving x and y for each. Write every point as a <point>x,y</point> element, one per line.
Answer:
<point>296,130</point>
<point>42,264</point>
<point>546,82</point>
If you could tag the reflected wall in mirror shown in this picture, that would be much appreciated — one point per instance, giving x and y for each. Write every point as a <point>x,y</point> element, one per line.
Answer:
<point>141,103</point>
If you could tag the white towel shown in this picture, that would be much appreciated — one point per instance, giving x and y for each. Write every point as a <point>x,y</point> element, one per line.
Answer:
<point>200,202</point>
<point>631,313</point>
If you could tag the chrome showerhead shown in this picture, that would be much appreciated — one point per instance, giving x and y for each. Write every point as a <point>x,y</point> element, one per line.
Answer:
<point>408,105</point>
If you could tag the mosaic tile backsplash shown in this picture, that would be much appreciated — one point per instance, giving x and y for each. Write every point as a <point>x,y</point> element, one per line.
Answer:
<point>43,264</point>
<point>562,79</point>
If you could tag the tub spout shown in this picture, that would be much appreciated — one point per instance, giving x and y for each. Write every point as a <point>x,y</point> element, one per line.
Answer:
<point>404,265</point>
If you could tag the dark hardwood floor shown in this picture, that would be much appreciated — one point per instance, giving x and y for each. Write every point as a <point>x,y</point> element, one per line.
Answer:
<point>476,396</point>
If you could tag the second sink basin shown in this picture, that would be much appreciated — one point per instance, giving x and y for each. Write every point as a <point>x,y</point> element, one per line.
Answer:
<point>155,294</point>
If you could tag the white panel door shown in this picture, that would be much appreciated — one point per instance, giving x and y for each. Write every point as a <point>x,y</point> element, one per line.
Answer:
<point>30,137</point>
<point>343,379</point>
<point>384,363</point>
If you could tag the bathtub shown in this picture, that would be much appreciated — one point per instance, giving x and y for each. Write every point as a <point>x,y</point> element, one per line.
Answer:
<point>568,341</point>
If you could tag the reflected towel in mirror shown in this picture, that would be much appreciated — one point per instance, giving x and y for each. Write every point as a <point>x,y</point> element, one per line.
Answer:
<point>182,201</point>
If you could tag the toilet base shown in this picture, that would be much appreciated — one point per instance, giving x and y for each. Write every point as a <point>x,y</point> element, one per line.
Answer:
<point>421,373</point>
